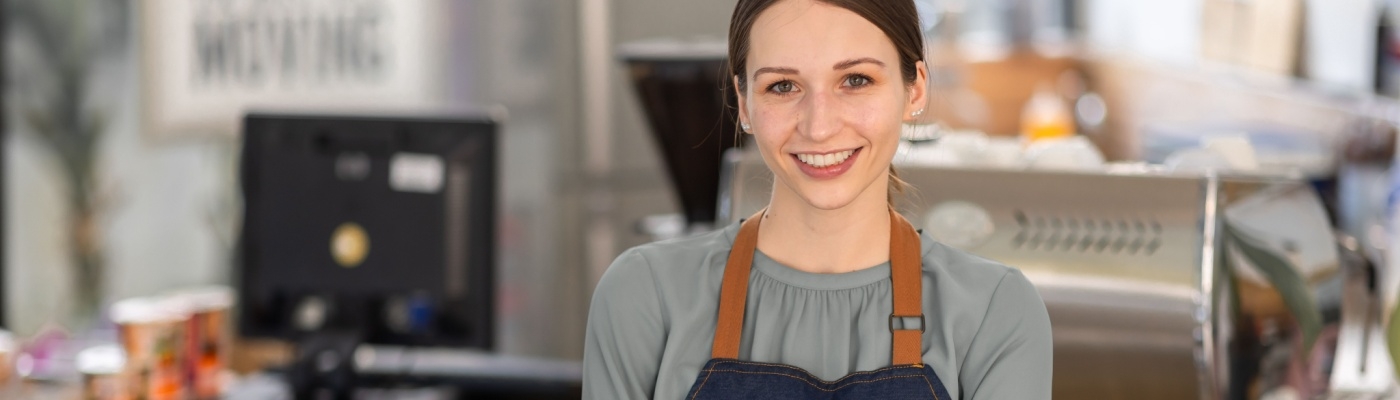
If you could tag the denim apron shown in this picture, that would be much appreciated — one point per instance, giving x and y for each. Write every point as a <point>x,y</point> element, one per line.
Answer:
<point>727,377</point>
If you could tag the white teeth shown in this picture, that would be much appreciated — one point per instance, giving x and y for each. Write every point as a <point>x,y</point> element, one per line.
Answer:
<point>825,160</point>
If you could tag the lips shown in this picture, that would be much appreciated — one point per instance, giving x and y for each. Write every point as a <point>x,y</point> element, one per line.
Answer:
<point>826,165</point>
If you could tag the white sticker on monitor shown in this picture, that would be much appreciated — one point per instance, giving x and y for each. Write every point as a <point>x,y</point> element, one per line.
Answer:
<point>413,172</point>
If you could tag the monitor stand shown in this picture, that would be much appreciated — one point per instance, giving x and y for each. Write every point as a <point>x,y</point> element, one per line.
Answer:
<point>324,367</point>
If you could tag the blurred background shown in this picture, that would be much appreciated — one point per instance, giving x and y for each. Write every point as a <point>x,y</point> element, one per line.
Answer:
<point>126,149</point>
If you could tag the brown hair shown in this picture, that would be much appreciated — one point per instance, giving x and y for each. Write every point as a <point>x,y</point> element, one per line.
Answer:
<point>898,19</point>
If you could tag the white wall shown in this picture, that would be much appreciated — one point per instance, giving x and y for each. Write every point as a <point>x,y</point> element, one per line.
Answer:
<point>1338,43</point>
<point>1166,30</point>
<point>169,215</point>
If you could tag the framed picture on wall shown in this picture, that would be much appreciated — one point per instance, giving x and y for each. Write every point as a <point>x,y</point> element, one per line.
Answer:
<point>205,63</point>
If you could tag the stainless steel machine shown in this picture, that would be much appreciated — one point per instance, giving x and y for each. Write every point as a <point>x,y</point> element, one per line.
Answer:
<point>1153,280</point>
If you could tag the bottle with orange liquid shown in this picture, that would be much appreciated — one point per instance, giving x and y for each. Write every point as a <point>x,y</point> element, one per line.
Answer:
<point>1046,116</point>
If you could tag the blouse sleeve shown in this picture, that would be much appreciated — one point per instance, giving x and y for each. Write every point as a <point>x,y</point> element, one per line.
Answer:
<point>625,334</point>
<point>1010,357</point>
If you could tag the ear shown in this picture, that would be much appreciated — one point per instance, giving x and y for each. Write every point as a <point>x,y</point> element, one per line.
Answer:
<point>918,93</point>
<point>743,106</point>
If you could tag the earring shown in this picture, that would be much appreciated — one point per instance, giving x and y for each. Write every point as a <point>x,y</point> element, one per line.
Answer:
<point>745,126</point>
<point>919,112</point>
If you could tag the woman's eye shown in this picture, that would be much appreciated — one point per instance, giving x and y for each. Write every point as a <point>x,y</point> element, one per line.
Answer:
<point>857,80</point>
<point>782,87</point>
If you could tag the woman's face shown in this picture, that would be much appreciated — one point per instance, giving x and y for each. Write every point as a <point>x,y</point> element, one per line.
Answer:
<point>826,101</point>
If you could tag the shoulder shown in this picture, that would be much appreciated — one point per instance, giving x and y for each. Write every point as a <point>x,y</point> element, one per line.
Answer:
<point>665,263</point>
<point>692,248</point>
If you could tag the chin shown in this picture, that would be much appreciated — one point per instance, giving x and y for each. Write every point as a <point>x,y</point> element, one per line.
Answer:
<point>828,200</point>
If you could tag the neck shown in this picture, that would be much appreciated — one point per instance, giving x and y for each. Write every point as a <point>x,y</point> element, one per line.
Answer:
<point>806,238</point>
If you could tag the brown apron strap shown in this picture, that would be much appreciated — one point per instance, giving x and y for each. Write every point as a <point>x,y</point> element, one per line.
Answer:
<point>905,274</point>
<point>734,291</point>
<point>907,284</point>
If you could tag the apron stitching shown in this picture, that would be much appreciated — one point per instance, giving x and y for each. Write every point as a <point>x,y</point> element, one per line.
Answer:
<point>804,380</point>
<point>853,374</point>
<point>930,387</point>
<point>707,380</point>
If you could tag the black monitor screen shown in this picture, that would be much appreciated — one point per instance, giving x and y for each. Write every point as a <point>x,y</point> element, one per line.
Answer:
<point>379,226</point>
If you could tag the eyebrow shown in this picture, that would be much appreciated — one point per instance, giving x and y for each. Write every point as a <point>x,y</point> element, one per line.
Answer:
<point>775,70</point>
<point>857,61</point>
<point>839,66</point>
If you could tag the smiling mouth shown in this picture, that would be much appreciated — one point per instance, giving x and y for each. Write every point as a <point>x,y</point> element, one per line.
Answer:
<point>825,160</point>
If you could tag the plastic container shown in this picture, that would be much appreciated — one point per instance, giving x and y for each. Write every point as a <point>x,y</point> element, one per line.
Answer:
<point>1074,153</point>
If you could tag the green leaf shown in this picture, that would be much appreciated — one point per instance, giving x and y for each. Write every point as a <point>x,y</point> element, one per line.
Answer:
<point>1281,273</point>
<point>1392,338</point>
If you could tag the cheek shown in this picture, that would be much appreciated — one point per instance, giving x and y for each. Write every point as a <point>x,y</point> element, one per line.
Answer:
<point>769,112</point>
<point>877,121</point>
<point>771,125</point>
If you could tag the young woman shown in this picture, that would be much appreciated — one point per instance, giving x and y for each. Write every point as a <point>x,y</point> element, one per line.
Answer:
<point>827,293</point>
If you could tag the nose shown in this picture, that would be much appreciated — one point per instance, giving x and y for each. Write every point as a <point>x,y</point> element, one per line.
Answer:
<point>821,116</point>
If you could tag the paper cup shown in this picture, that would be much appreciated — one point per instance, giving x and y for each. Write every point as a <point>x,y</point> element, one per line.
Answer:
<point>206,338</point>
<point>151,333</point>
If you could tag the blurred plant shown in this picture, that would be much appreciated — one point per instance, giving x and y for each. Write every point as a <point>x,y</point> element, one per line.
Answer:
<point>1281,273</point>
<point>52,49</point>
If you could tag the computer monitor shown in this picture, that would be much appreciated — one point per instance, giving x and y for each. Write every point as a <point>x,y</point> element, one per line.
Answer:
<point>382,227</point>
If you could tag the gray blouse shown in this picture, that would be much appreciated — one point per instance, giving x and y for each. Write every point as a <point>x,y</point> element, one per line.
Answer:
<point>653,316</point>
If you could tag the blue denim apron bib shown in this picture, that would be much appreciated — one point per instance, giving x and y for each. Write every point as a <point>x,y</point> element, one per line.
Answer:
<point>727,377</point>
